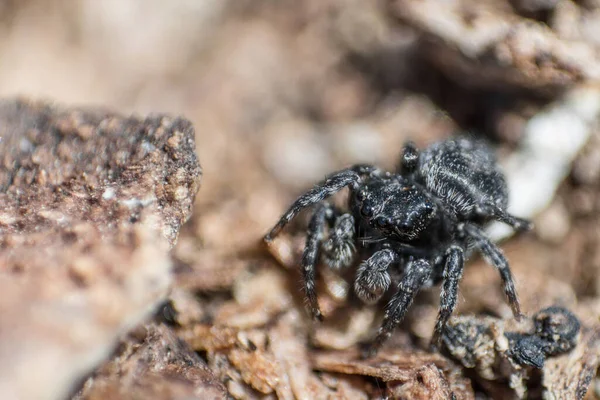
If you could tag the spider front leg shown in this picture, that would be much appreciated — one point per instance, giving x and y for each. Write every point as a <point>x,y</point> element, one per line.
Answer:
<point>493,255</point>
<point>453,270</point>
<point>331,185</point>
<point>416,274</point>
<point>314,239</point>
<point>410,159</point>
<point>339,248</point>
<point>372,278</point>
<point>518,224</point>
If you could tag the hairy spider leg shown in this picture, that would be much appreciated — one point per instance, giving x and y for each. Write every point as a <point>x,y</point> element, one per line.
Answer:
<point>518,224</point>
<point>331,185</point>
<point>323,215</point>
<point>494,256</point>
<point>453,270</point>
<point>409,160</point>
<point>372,277</point>
<point>339,249</point>
<point>416,274</point>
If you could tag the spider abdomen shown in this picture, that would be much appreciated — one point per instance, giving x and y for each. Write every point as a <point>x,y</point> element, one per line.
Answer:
<point>464,175</point>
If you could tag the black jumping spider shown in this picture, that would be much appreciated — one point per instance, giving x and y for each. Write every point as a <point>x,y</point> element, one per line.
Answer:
<point>422,221</point>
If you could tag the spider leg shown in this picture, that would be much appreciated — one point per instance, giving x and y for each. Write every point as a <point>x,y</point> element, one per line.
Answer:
<point>314,238</point>
<point>331,185</point>
<point>453,270</point>
<point>339,248</point>
<point>518,224</point>
<point>415,276</point>
<point>409,160</point>
<point>372,277</point>
<point>494,256</point>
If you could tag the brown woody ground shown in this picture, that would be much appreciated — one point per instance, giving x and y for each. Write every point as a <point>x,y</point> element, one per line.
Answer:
<point>279,95</point>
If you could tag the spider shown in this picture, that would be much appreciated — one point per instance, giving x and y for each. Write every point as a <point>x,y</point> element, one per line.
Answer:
<point>420,223</point>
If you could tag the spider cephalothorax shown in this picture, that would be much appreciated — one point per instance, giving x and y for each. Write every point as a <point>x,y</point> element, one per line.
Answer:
<point>420,222</point>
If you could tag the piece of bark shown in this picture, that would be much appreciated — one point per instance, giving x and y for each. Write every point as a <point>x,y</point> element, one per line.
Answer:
<point>408,374</point>
<point>485,344</point>
<point>569,376</point>
<point>160,366</point>
<point>257,344</point>
<point>91,201</point>
<point>484,44</point>
<point>479,343</point>
<point>238,346</point>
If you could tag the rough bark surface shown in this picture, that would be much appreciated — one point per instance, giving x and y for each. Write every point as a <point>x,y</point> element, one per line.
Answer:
<point>91,203</point>
<point>153,363</point>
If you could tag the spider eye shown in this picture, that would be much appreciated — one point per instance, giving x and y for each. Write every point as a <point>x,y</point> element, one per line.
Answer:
<point>367,210</point>
<point>361,195</point>
<point>382,222</point>
<point>405,226</point>
<point>429,208</point>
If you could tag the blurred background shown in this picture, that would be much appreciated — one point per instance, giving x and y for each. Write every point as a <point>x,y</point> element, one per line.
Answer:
<point>300,88</point>
<point>283,92</point>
